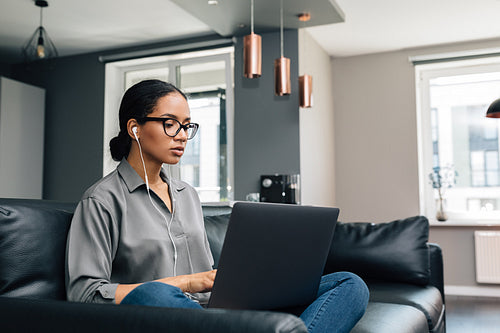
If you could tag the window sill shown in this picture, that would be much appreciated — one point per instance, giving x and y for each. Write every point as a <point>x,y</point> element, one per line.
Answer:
<point>218,203</point>
<point>464,223</point>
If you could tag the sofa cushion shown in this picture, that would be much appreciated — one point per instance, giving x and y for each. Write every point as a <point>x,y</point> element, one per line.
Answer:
<point>216,227</point>
<point>216,209</point>
<point>386,317</point>
<point>32,249</point>
<point>426,299</point>
<point>395,251</point>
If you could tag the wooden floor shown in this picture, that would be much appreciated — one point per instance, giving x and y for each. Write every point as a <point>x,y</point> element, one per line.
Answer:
<point>472,314</point>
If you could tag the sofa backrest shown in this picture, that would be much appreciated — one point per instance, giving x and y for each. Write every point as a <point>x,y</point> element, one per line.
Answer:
<point>394,251</point>
<point>32,247</point>
<point>216,226</point>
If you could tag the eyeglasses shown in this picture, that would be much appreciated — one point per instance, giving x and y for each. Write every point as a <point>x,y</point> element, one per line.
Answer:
<point>172,126</point>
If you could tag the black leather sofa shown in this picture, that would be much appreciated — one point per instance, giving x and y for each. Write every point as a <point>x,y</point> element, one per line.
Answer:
<point>404,274</point>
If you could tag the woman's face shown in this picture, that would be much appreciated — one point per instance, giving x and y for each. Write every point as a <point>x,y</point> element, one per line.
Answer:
<point>158,146</point>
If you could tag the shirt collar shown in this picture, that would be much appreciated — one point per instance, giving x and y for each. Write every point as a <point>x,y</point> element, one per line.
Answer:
<point>133,180</point>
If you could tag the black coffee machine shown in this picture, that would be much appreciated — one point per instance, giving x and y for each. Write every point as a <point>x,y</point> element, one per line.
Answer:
<point>280,188</point>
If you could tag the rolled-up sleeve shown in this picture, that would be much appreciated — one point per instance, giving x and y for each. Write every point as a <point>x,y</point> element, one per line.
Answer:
<point>90,250</point>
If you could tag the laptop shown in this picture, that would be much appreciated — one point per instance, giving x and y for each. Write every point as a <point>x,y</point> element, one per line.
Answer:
<point>273,256</point>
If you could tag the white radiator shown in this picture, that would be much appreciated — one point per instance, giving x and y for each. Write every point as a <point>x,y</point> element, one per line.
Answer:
<point>487,256</point>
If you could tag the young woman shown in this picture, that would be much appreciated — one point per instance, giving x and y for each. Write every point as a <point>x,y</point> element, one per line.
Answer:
<point>138,236</point>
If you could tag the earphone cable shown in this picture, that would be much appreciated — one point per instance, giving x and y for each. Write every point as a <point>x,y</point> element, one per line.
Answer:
<point>158,209</point>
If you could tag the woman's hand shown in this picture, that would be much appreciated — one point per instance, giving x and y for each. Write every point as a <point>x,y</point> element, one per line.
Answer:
<point>200,282</point>
<point>193,283</point>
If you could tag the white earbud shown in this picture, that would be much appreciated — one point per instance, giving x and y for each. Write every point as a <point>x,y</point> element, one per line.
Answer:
<point>134,130</point>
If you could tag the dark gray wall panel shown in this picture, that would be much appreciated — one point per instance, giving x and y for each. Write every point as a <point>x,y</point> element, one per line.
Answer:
<point>73,123</point>
<point>266,126</point>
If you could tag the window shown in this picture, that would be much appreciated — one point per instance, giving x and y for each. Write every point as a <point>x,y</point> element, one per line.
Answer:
<point>453,131</point>
<point>204,166</point>
<point>206,78</point>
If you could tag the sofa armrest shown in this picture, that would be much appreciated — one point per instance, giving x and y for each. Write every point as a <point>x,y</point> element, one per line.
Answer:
<point>35,315</point>
<point>436,264</point>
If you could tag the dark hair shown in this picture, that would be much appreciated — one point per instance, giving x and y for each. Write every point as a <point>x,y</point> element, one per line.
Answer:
<point>137,102</point>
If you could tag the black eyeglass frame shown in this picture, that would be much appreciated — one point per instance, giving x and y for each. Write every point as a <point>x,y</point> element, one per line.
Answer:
<point>186,127</point>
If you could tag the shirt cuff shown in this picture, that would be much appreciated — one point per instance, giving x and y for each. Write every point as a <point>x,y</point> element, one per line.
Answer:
<point>107,291</point>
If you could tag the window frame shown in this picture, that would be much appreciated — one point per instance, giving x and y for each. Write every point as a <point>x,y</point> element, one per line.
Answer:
<point>424,73</point>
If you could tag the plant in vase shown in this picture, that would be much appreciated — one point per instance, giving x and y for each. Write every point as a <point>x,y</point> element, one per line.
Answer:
<point>441,179</point>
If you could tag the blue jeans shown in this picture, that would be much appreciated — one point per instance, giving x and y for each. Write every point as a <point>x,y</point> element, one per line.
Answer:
<point>341,301</point>
<point>159,294</point>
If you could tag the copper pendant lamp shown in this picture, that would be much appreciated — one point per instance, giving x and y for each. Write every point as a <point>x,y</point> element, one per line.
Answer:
<point>282,84</point>
<point>305,81</point>
<point>252,51</point>
<point>305,91</point>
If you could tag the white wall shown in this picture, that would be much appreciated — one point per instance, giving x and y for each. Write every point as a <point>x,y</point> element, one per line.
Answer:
<point>22,116</point>
<point>317,162</point>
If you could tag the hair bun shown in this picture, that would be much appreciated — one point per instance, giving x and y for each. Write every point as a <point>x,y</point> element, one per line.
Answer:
<point>120,146</point>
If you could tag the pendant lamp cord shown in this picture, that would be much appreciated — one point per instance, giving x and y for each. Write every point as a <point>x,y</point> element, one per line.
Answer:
<point>41,16</point>
<point>251,15</point>
<point>304,39</point>
<point>281,27</point>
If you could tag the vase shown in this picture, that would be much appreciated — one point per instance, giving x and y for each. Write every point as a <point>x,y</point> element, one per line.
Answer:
<point>440,213</point>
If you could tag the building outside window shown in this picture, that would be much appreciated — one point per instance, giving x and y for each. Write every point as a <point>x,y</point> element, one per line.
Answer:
<point>453,131</point>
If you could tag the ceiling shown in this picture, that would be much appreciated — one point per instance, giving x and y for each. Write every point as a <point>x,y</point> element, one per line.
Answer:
<point>232,18</point>
<point>369,26</point>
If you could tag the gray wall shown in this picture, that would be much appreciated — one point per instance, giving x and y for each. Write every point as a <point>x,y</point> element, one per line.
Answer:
<point>376,148</point>
<point>375,137</point>
<point>4,69</point>
<point>73,122</point>
<point>266,126</point>
<point>457,243</point>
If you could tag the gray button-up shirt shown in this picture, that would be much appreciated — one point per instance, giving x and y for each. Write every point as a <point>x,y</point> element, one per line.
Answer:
<point>118,236</point>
